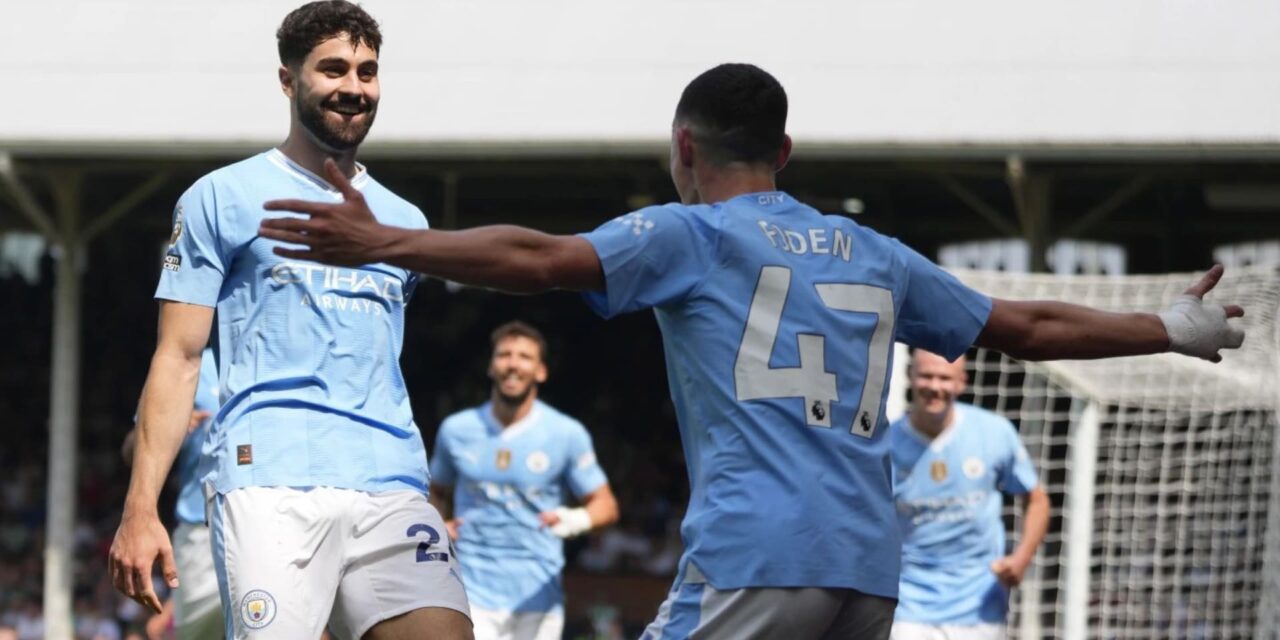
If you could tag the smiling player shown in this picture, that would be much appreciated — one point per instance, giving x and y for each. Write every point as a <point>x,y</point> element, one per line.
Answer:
<point>319,513</point>
<point>506,466</point>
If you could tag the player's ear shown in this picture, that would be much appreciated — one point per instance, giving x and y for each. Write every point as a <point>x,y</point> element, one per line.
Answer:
<point>684,146</point>
<point>541,375</point>
<point>286,80</point>
<point>784,153</point>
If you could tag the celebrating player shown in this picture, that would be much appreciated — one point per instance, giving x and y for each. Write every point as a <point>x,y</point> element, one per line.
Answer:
<point>194,609</point>
<point>778,324</point>
<point>506,465</point>
<point>951,462</point>
<point>319,475</point>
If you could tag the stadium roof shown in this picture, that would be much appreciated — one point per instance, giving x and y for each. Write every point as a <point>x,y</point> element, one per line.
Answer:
<point>1174,77</point>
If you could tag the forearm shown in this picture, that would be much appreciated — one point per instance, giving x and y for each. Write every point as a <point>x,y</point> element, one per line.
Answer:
<point>162,424</point>
<point>1035,523</point>
<point>508,258</point>
<point>1044,330</point>
<point>603,512</point>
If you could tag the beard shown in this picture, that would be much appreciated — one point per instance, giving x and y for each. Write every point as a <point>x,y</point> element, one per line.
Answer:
<point>516,398</point>
<point>338,136</point>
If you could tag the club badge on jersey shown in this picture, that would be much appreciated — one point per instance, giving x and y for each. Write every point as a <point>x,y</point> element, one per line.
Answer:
<point>938,471</point>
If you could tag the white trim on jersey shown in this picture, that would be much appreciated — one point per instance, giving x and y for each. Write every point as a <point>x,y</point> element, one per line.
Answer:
<point>296,170</point>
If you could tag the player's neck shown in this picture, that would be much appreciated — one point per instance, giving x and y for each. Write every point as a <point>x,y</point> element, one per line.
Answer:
<point>931,424</point>
<point>303,151</point>
<point>508,412</point>
<point>717,184</point>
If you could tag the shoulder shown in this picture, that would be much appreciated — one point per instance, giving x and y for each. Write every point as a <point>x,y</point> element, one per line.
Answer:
<point>563,423</point>
<point>988,421</point>
<point>393,209</point>
<point>462,422</point>
<point>227,181</point>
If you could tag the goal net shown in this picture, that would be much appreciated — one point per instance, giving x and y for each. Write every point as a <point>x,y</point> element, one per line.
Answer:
<point>1161,470</point>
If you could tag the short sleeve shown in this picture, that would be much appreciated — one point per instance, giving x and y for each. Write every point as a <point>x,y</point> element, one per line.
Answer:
<point>443,472</point>
<point>652,257</point>
<point>939,313</point>
<point>1016,474</point>
<point>195,263</point>
<point>582,473</point>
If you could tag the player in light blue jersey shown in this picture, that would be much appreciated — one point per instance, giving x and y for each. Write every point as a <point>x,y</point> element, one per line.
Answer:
<point>193,610</point>
<point>509,467</point>
<point>951,463</point>
<point>778,324</point>
<point>317,473</point>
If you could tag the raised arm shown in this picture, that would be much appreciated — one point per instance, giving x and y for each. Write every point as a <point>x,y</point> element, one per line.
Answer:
<point>1040,330</point>
<point>163,416</point>
<point>505,257</point>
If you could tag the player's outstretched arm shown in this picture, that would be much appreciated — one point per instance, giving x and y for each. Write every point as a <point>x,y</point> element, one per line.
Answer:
<point>163,417</point>
<point>1039,330</point>
<point>505,257</point>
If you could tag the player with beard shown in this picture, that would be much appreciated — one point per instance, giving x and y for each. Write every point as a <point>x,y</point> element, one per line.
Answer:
<point>505,466</point>
<point>317,481</point>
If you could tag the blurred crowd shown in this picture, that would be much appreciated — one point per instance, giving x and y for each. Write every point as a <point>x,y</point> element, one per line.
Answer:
<point>608,375</point>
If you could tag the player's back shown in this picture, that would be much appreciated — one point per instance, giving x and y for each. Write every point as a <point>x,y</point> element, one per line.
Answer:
<point>778,324</point>
<point>309,354</point>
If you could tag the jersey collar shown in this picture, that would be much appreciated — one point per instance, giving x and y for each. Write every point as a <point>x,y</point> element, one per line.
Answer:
<point>939,443</point>
<point>299,173</point>
<point>516,428</point>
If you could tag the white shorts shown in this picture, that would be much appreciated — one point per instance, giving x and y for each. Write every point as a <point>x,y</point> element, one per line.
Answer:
<point>197,612</point>
<point>698,611</point>
<point>291,562</point>
<point>517,625</point>
<point>922,631</point>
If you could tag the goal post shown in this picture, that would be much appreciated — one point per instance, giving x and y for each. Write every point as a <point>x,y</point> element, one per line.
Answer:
<point>1161,470</point>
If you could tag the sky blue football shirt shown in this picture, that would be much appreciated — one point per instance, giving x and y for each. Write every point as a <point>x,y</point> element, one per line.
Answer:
<point>308,354</point>
<point>502,480</point>
<point>778,325</point>
<point>948,496</point>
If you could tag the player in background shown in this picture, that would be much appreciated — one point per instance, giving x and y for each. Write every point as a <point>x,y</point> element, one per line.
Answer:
<point>778,324</point>
<point>506,467</point>
<point>318,476</point>
<point>194,609</point>
<point>951,462</point>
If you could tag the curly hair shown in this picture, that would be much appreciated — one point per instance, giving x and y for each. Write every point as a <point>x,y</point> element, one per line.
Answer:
<point>315,22</point>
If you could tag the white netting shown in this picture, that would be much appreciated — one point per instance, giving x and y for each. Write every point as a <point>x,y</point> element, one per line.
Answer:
<point>1177,456</point>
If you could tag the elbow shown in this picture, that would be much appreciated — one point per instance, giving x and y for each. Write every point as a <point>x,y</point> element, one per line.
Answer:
<point>608,513</point>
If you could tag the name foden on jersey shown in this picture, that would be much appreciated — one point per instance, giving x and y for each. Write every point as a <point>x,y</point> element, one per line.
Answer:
<point>820,241</point>
<point>353,281</point>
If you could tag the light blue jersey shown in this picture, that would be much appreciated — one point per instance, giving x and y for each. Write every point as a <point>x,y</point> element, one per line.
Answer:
<point>308,354</point>
<point>948,495</point>
<point>190,505</point>
<point>778,325</point>
<point>502,480</point>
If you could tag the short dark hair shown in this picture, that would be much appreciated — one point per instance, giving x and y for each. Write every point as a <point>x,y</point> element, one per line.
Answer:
<point>315,22</point>
<point>738,113</point>
<point>518,329</point>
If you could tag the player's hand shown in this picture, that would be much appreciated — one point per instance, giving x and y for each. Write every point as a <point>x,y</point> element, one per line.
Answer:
<point>1010,569</point>
<point>141,539</point>
<point>565,522</point>
<point>197,417</point>
<point>453,527</point>
<point>344,233</point>
<point>1198,328</point>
